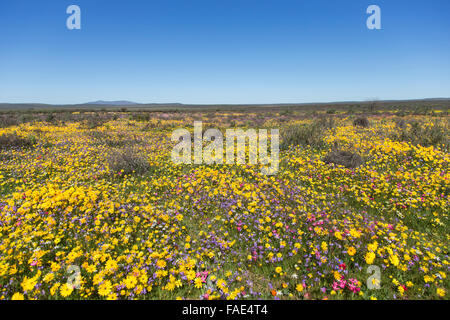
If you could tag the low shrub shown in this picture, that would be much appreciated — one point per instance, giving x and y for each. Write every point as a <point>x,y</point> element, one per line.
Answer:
<point>418,133</point>
<point>344,158</point>
<point>8,121</point>
<point>303,135</point>
<point>128,161</point>
<point>12,140</point>
<point>96,121</point>
<point>140,117</point>
<point>361,122</point>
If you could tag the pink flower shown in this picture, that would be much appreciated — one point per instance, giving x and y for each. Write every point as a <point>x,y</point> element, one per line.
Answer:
<point>352,285</point>
<point>335,286</point>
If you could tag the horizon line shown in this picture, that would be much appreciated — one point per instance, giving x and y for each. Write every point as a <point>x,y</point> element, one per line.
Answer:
<point>133,103</point>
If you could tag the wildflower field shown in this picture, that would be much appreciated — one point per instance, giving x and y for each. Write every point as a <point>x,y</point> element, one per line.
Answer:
<point>99,192</point>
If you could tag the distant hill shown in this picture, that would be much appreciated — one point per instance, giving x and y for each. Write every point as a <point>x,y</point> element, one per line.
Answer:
<point>113,103</point>
<point>441,103</point>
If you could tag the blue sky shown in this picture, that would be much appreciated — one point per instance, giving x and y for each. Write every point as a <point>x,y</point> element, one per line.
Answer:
<point>223,51</point>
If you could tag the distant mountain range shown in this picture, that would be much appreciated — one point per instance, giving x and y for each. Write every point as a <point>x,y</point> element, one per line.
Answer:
<point>113,103</point>
<point>100,104</point>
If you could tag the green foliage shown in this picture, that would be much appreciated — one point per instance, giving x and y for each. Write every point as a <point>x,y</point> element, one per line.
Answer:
<point>128,161</point>
<point>12,140</point>
<point>420,134</point>
<point>306,135</point>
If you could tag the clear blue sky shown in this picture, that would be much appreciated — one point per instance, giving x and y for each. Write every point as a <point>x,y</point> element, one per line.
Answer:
<point>223,51</point>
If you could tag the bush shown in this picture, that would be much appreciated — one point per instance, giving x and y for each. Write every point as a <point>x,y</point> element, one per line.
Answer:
<point>418,133</point>
<point>12,140</point>
<point>304,135</point>
<point>140,117</point>
<point>8,121</point>
<point>361,122</point>
<point>95,122</point>
<point>50,118</point>
<point>351,110</point>
<point>151,125</point>
<point>344,158</point>
<point>287,112</point>
<point>325,123</point>
<point>401,113</point>
<point>421,110</point>
<point>128,161</point>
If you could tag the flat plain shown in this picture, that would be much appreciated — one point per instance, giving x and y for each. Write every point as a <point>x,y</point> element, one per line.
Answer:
<point>92,207</point>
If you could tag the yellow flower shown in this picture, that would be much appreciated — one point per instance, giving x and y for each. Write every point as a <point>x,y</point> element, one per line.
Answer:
<point>338,235</point>
<point>370,256</point>
<point>221,284</point>
<point>105,288</point>
<point>394,259</point>
<point>337,275</point>
<point>112,296</point>
<point>278,270</point>
<point>372,246</point>
<point>161,263</point>
<point>17,296</point>
<point>299,287</point>
<point>355,233</point>
<point>49,277</point>
<point>111,265</point>
<point>198,283</point>
<point>351,251</point>
<point>55,267</point>
<point>66,290</point>
<point>440,292</point>
<point>54,288</point>
<point>130,282</point>
<point>28,284</point>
